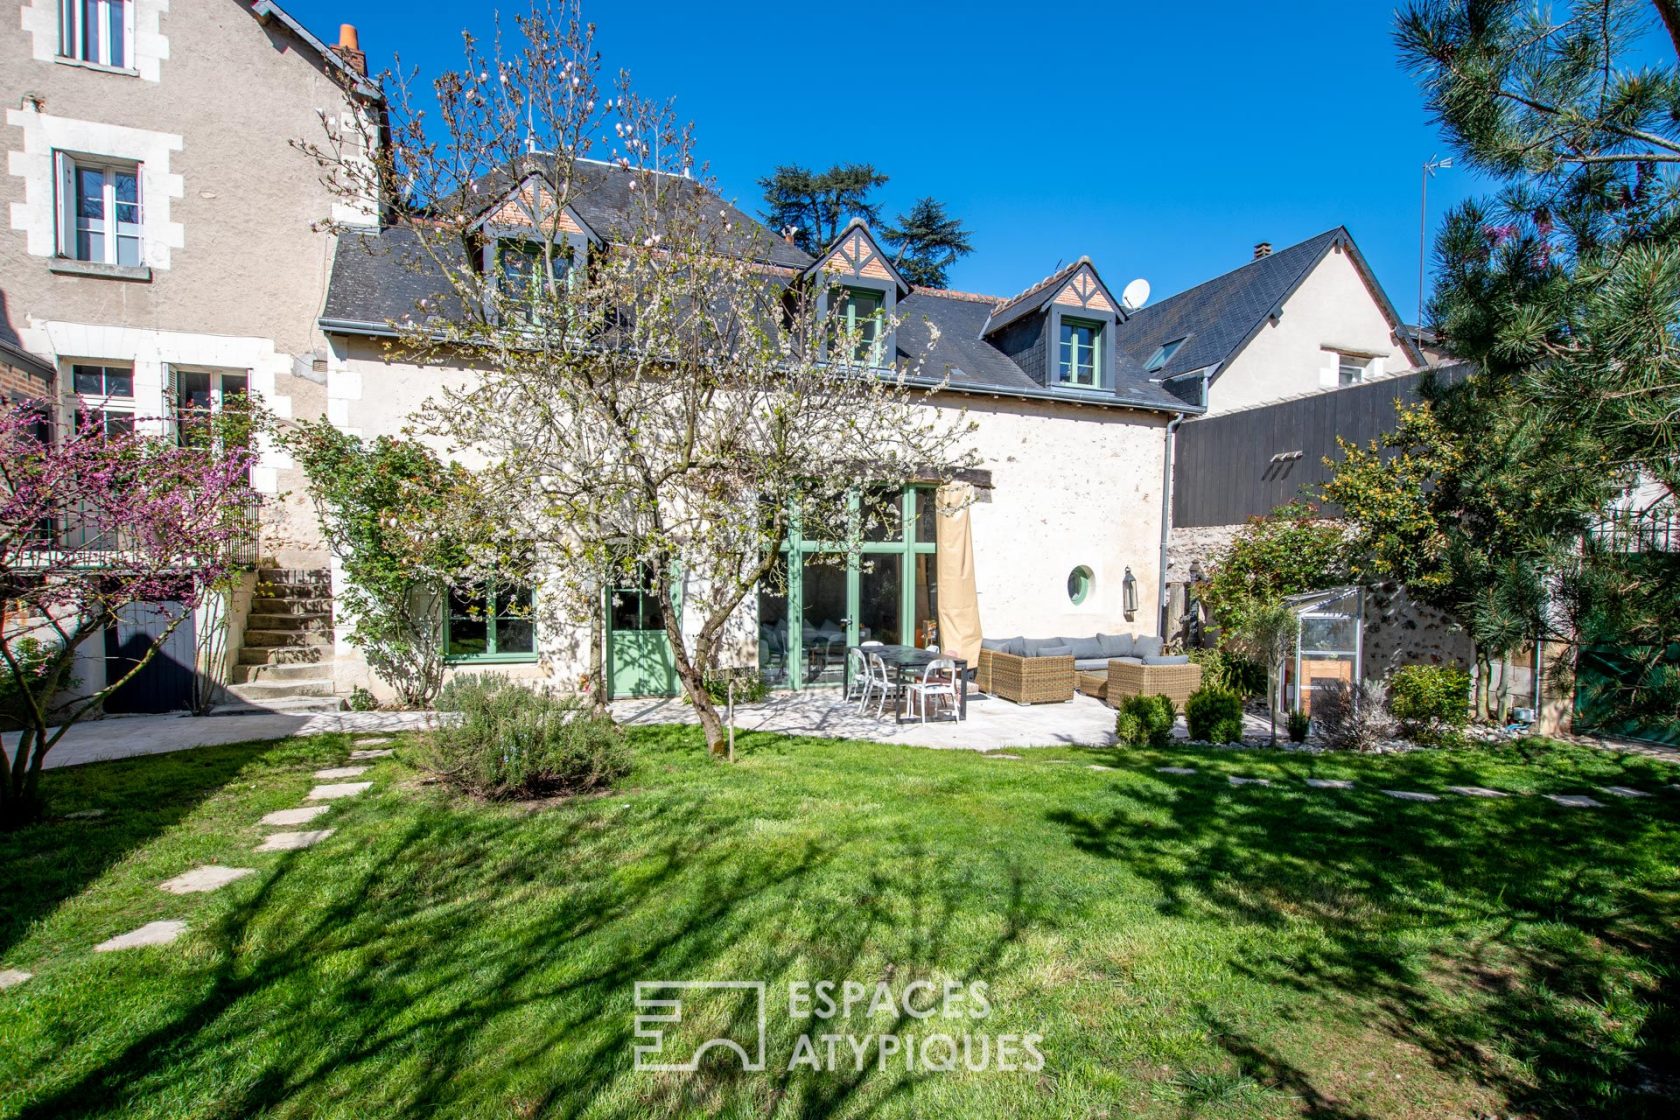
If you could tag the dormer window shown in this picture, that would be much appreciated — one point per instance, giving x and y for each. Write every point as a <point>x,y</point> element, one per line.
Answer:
<point>858,315</point>
<point>1080,360</point>
<point>1163,354</point>
<point>526,267</point>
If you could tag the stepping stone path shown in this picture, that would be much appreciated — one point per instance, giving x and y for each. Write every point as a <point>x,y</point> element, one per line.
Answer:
<point>12,977</point>
<point>371,742</point>
<point>1624,791</point>
<point>84,815</point>
<point>1575,801</point>
<point>342,772</point>
<point>296,816</point>
<point>152,933</point>
<point>342,789</point>
<point>1014,756</point>
<point>1329,783</point>
<point>1174,770</point>
<point>1477,791</point>
<point>1094,766</point>
<point>207,878</point>
<point>1236,781</point>
<point>364,756</point>
<point>1412,795</point>
<point>293,841</point>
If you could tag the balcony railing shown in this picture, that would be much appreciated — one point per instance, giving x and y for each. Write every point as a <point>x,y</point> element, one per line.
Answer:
<point>78,533</point>
<point>1644,530</point>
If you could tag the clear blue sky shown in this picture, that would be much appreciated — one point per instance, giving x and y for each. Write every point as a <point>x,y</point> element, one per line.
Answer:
<point>1161,139</point>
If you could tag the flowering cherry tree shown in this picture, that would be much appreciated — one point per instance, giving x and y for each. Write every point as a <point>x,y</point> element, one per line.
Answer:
<point>95,527</point>
<point>659,406</point>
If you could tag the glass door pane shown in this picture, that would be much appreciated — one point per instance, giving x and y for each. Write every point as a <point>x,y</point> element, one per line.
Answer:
<point>824,620</point>
<point>773,663</point>
<point>881,599</point>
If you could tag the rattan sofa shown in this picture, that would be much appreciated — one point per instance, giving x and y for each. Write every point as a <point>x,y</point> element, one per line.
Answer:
<point>1025,680</point>
<point>1175,682</point>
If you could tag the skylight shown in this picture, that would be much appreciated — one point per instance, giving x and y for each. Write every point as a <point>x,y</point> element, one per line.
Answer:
<point>1163,355</point>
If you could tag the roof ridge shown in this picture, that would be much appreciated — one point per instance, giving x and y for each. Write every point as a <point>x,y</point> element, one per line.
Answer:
<point>952,293</point>
<point>1066,270</point>
<point>1233,271</point>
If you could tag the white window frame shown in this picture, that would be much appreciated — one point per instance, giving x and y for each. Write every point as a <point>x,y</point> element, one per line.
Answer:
<point>68,166</point>
<point>73,41</point>
<point>1360,362</point>
<point>105,404</point>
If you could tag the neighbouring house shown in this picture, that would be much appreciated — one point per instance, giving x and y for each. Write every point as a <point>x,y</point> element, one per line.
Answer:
<point>159,254</point>
<point>1300,320</point>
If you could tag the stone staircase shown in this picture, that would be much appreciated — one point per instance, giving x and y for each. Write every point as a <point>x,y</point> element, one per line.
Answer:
<point>286,661</point>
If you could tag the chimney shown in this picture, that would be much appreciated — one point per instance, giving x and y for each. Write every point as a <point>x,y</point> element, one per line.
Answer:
<point>1261,249</point>
<point>349,48</point>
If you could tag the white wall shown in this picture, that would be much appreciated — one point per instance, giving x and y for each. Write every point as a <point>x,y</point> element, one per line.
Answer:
<point>1070,486</point>
<point>1331,312</point>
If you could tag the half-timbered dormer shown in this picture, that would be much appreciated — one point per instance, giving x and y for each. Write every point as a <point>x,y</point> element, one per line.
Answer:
<point>528,239</point>
<point>857,287</point>
<point>1061,330</point>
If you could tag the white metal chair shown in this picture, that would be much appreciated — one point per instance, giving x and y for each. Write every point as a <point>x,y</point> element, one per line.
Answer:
<point>857,677</point>
<point>881,684</point>
<point>939,682</point>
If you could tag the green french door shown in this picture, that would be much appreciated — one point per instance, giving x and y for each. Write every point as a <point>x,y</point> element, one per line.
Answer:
<point>883,589</point>
<point>638,653</point>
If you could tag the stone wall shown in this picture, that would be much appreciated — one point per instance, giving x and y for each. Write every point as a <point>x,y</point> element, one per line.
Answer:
<point>1399,630</point>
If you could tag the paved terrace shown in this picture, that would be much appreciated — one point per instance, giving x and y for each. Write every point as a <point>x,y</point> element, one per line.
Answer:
<point>992,723</point>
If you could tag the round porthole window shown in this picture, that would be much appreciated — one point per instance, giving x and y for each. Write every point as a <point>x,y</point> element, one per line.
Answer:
<point>1079,583</point>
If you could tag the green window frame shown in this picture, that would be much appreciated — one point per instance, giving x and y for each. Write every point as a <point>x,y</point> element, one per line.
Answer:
<point>475,633</point>
<point>1079,584</point>
<point>909,531</point>
<point>860,313</point>
<point>1080,360</point>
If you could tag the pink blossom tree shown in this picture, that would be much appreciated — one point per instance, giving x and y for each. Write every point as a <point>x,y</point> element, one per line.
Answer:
<point>95,527</point>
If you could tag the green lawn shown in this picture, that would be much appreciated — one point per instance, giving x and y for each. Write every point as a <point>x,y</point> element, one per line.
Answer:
<point>1184,947</point>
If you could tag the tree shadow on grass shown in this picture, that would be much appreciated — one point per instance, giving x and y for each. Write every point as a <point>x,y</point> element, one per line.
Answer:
<point>473,960</point>
<point>97,815</point>
<point>1551,933</point>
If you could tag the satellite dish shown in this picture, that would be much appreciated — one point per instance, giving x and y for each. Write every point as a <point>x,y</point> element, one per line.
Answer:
<point>1135,295</point>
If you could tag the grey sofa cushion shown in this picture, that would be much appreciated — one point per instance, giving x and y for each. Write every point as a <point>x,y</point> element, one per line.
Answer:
<point>1053,651</point>
<point>1116,645</point>
<point>1090,664</point>
<point>1175,659</point>
<point>1016,646</point>
<point>1147,646</point>
<point>1033,645</point>
<point>1084,647</point>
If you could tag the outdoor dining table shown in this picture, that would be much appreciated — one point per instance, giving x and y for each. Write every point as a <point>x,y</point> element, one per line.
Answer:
<point>906,664</point>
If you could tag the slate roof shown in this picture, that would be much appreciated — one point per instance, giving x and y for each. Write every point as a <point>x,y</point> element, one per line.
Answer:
<point>1217,318</point>
<point>381,277</point>
<point>601,195</point>
<point>973,364</point>
<point>1034,298</point>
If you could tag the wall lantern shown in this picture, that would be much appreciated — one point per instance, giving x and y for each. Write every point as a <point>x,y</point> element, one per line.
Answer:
<point>1128,594</point>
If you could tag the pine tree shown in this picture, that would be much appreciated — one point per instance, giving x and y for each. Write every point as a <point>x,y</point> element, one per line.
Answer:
<point>1564,288</point>
<point>816,206</point>
<point>926,242</point>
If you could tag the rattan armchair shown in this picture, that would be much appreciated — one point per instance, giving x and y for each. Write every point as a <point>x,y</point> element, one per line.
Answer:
<point>1025,680</point>
<point>1175,682</point>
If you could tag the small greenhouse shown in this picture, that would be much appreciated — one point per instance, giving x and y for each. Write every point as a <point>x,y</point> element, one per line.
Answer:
<point>1329,635</point>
